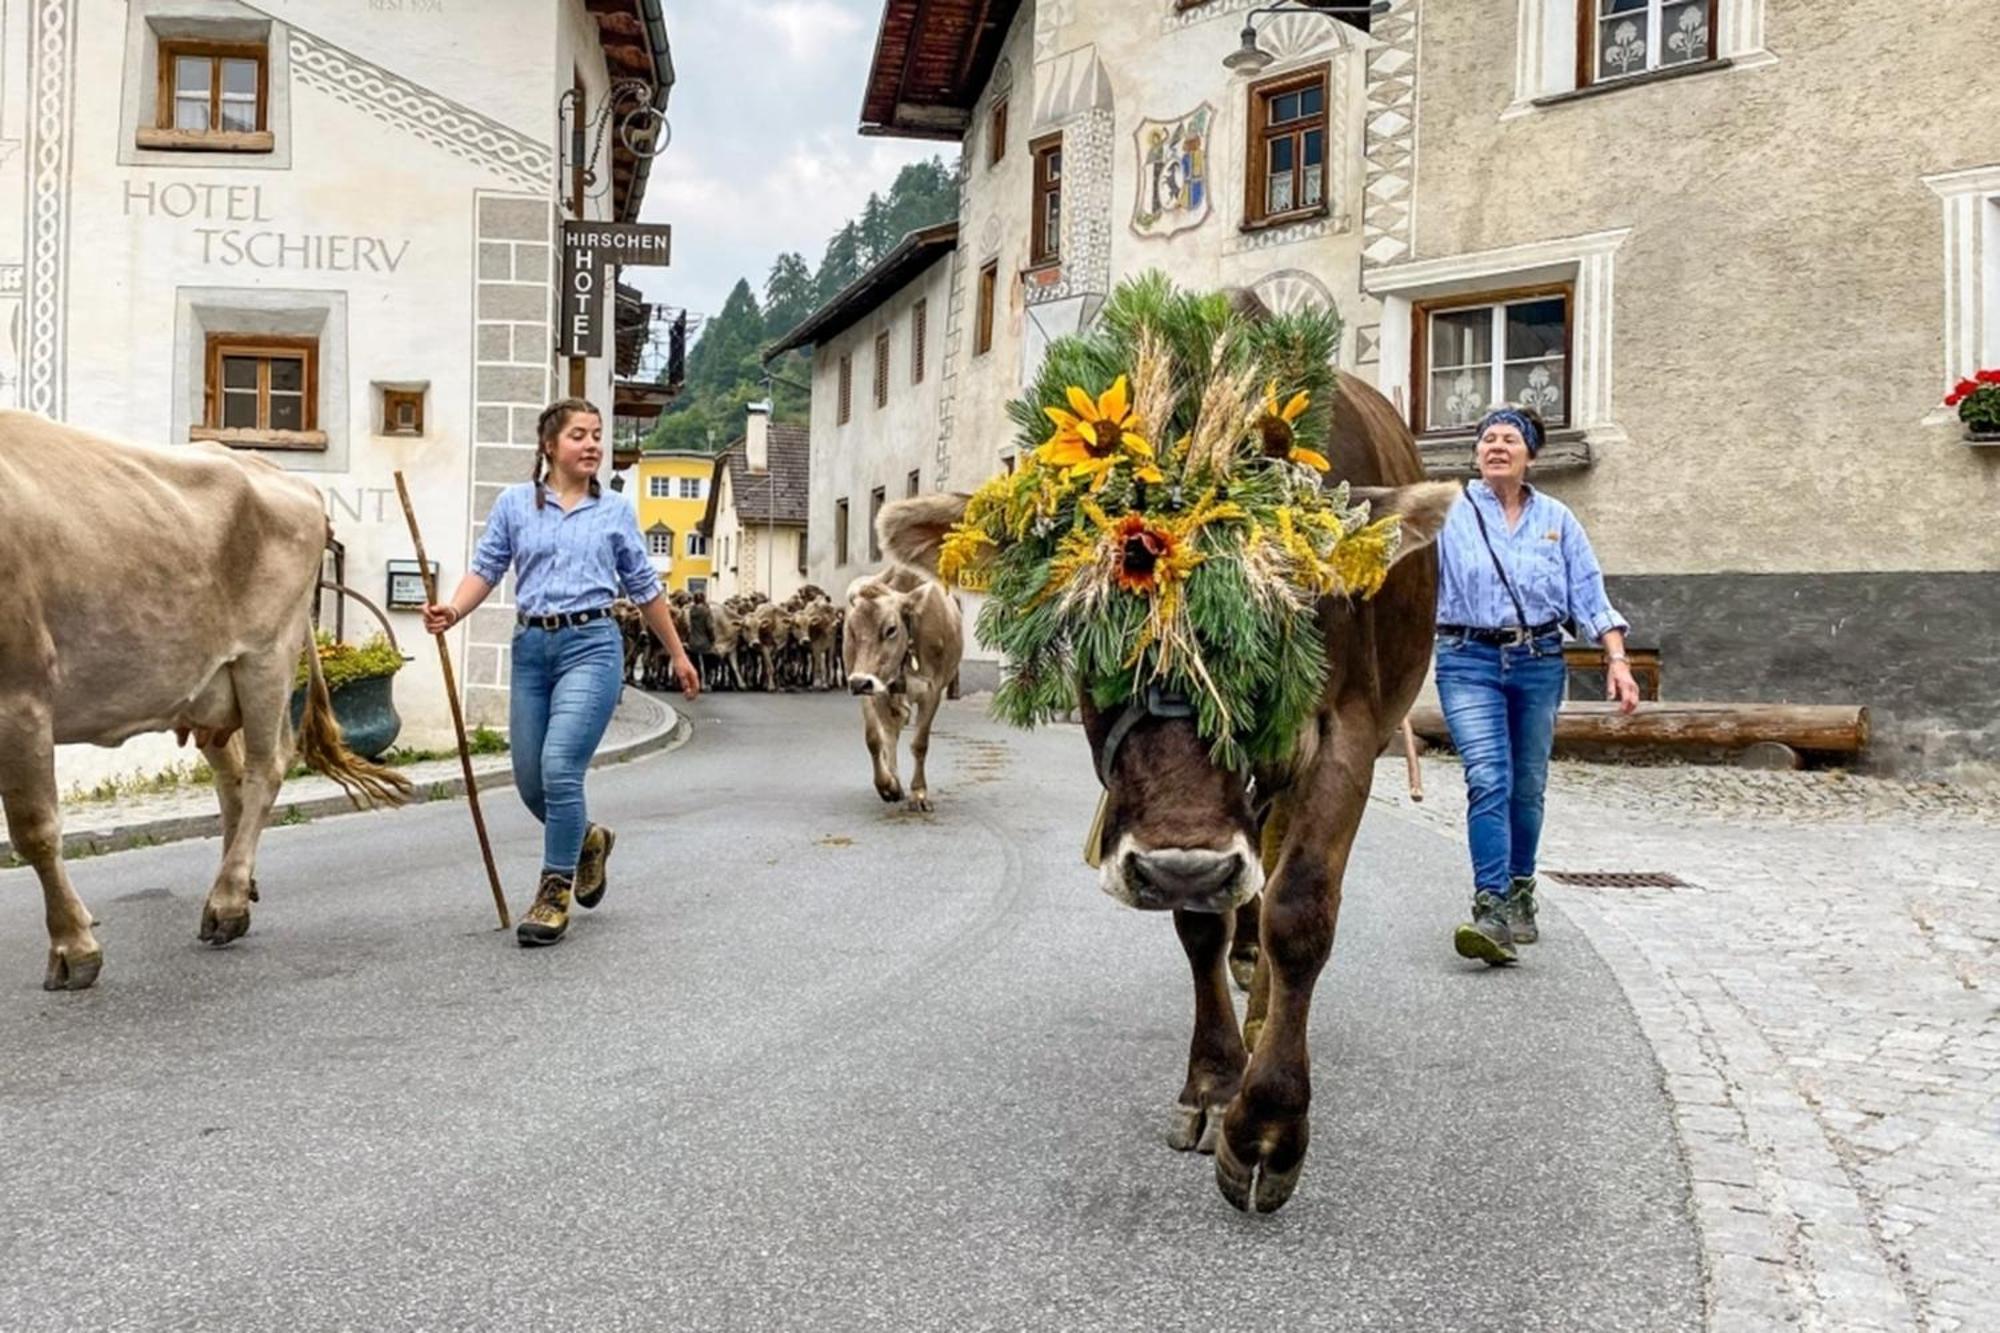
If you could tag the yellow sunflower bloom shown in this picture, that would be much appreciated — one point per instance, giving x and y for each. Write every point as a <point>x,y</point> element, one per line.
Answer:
<point>1096,437</point>
<point>1275,426</point>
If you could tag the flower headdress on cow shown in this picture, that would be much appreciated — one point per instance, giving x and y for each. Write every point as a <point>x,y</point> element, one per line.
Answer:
<point>1170,524</point>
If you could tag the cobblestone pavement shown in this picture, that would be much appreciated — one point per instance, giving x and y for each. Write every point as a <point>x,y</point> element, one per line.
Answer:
<point>1824,999</point>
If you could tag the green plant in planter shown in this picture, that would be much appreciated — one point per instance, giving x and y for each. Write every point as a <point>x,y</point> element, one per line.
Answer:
<point>1978,403</point>
<point>360,677</point>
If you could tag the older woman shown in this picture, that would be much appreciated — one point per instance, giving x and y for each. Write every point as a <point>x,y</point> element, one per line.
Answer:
<point>1514,567</point>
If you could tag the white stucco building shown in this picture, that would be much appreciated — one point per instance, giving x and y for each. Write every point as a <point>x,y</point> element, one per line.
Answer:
<point>325,231</point>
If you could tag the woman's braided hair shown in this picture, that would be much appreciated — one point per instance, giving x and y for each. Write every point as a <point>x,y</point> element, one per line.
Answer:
<point>554,420</point>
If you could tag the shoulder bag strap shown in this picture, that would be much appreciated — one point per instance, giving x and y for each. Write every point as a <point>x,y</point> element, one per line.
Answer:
<point>1520,613</point>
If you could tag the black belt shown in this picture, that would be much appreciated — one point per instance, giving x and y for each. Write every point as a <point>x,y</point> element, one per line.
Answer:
<point>1508,636</point>
<point>563,620</point>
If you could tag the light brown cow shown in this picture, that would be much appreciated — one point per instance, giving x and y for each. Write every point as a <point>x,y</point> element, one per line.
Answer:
<point>1179,833</point>
<point>902,642</point>
<point>154,590</point>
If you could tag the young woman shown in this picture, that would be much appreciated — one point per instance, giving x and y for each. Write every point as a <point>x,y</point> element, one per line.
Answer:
<point>573,553</point>
<point>1513,565</point>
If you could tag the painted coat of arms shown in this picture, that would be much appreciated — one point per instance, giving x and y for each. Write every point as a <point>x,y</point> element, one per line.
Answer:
<point>1173,173</point>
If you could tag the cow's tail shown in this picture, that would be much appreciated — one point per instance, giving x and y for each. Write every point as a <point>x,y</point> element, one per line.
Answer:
<point>323,751</point>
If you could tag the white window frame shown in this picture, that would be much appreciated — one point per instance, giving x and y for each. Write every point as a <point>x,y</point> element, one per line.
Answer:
<point>691,488</point>
<point>1588,263</point>
<point>653,544</point>
<point>659,488</point>
<point>1547,34</point>
<point>1971,200</point>
<point>697,545</point>
<point>1496,388</point>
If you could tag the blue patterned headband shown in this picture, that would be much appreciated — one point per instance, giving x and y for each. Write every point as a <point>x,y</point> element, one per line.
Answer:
<point>1507,416</point>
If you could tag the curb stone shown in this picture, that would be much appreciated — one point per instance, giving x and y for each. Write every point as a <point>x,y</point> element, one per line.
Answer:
<point>667,732</point>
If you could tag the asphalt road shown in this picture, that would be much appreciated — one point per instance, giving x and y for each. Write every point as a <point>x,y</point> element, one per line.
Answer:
<point>815,1063</point>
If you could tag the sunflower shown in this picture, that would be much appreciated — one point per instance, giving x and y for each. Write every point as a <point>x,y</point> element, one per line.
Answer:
<point>1274,426</point>
<point>1097,437</point>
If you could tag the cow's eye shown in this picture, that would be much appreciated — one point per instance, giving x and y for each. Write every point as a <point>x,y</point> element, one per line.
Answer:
<point>889,633</point>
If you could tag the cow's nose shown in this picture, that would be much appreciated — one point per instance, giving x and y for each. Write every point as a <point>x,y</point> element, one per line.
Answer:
<point>861,685</point>
<point>1184,877</point>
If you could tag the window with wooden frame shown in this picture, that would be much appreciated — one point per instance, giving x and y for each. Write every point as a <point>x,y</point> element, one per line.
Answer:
<point>1045,240</point>
<point>1287,149</point>
<point>914,482</point>
<point>919,335</point>
<point>982,329</point>
<point>876,498</point>
<point>213,97</point>
<point>846,399</point>
<point>882,369</point>
<point>402,412</point>
<point>1470,353</point>
<point>1622,38</point>
<point>840,532</point>
<point>262,391</point>
<point>996,133</point>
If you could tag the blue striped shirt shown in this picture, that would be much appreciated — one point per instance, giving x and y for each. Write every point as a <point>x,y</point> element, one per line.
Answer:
<point>1547,556</point>
<point>575,561</point>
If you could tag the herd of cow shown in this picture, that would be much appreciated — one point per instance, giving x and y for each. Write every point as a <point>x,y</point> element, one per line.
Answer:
<point>203,636</point>
<point>896,644</point>
<point>745,643</point>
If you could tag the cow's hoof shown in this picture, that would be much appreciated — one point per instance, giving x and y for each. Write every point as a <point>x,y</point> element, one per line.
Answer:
<point>73,969</point>
<point>1242,970</point>
<point>890,795</point>
<point>1195,1128</point>
<point>921,803</point>
<point>1253,1188</point>
<point>219,930</point>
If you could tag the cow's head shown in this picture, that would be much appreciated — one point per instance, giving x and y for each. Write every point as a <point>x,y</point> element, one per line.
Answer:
<point>1176,830</point>
<point>880,630</point>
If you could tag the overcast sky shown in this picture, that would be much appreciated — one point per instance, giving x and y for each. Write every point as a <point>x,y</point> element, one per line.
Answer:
<point>764,157</point>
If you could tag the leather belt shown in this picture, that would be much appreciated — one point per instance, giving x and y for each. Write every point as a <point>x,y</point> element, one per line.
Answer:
<point>1510,636</point>
<point>561,620</point>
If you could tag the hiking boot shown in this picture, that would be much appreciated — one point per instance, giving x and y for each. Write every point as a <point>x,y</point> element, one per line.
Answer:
<point>590,882</point>
<point>549,917</point>
<point>1488,938</point>
<point>1521,910</point>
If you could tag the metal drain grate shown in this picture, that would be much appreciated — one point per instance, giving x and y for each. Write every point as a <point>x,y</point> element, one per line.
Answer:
<point>1618,879</point>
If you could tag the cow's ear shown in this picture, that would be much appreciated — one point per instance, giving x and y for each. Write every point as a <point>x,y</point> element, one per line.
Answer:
<point>1422,507</point>
<point>912,530</point>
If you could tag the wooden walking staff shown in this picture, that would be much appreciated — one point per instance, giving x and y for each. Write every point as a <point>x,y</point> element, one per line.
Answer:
<point>1410,756</point>
<point>457,715</point>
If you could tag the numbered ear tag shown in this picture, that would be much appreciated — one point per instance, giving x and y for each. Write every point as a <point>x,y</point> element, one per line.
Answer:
<point>1093,842</point>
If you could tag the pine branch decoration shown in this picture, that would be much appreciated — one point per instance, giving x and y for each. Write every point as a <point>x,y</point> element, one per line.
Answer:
<point>1168,524</point>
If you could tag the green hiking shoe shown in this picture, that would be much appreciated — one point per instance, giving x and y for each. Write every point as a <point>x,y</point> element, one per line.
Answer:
<point>1488,938</point>
<point>590,881</point>
<point>1521,909</point>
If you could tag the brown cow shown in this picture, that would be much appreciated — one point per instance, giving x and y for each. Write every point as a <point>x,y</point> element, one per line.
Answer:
<point>200,634</point>
<point>1179,833</point>
<point>902,640</point>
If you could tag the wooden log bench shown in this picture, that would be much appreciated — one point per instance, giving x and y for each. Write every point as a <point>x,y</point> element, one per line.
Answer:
<point>1765,733</point>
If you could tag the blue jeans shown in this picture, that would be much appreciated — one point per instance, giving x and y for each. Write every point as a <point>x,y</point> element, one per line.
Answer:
<point>1500,704</point>
<point>565,684</point>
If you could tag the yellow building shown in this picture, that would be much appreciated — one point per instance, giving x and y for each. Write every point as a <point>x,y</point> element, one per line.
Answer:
<point>672,496</point>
